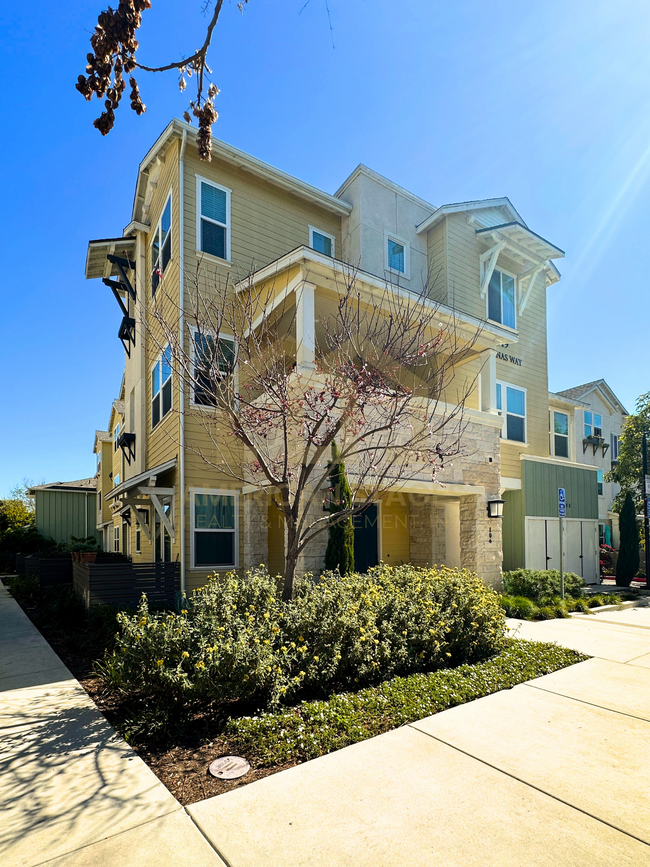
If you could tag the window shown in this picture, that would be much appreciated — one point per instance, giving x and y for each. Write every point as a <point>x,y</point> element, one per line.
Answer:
<point>513,410</point>
<point>614,447</point>
<point>214,359</point>
<point>116,436</point>
<point>161,387</point>
<point>213,219</point>
<point>599,474</point>
<point>322,242</point>
<point>144,516</point>
<point>214,529</point>
<point>116,538</point>
<point>560,435</point>
<point>161,246</point>
<point>116,480</point>
<point>99,502</point>
<point>99,460</point>
<point>396,254</point>
<point>593,424</point>
<point>501,298</point>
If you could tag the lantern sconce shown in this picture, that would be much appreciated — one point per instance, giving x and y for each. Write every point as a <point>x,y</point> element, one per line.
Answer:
<point>494,510</point>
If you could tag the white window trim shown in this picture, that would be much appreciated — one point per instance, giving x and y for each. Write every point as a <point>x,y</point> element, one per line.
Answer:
<point>150,386</point>
<point>569,457</point>
<point>156,232</point>
<point>210,333</point>
<point>227,226</point>
<point>313,229</point>
<point>217,492</point>
<point>487,299</point>
<point>116,538</point>
<point>504,412</point>
<point>406,273</point>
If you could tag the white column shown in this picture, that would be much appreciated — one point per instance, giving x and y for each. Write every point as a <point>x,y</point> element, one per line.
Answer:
<point>489,382</point>
<point>452,533</point>
<point>305,327</point>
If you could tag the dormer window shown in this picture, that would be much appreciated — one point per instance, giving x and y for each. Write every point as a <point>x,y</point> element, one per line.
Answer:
<point>161,246</point>
<point>501,298</point>
<point>398,254</point>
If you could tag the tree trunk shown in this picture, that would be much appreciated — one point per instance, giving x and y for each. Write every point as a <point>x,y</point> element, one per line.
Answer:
<point>290,561</point>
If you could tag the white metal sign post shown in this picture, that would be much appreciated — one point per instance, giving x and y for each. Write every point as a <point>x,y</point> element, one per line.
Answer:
<point>561,510</point>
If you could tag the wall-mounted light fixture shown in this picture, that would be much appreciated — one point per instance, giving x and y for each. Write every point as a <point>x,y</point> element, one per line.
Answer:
<point>495,508</point>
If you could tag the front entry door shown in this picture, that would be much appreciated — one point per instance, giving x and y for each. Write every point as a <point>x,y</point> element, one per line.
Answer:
<point>366,539</point>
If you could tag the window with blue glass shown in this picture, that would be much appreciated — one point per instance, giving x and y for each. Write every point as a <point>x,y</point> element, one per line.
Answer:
<point>213,223</point>
<point>511,404</point>
<point>599,474</point>
<point>161,246</point>
<point>161,387</point>
<point>320,241</point>
<point>501,298</point>
<point>214,529</point>
<point>396,256</point>
<point>593,424</point>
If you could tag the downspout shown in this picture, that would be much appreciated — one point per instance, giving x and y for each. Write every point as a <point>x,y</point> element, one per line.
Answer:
<point>86,514</point>
<point>181,329</point>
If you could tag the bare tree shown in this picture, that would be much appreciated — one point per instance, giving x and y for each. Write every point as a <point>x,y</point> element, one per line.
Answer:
<point>381,367</point>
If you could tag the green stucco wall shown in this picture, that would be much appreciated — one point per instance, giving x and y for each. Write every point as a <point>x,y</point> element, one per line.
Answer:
<point>540,483</point>
<point>61,514</point>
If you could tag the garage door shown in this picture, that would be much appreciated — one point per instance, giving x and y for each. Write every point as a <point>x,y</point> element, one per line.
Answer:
<point>580,546</point>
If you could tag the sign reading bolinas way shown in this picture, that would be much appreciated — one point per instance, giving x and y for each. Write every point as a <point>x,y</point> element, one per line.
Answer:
<point>503,356</point>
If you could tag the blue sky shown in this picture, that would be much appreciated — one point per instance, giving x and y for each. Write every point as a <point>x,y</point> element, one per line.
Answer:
<point>545,102</point>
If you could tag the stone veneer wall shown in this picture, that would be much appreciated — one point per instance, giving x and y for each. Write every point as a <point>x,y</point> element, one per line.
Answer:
<point>312,558</point>
<point>256,530</point>
<point>426,530</point>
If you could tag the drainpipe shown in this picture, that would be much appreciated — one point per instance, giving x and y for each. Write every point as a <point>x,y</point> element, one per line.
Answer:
<point>86,514</point>
<point>181,330</point>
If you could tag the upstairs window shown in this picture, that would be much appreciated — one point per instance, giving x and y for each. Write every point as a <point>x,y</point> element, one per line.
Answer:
<point>214,359</point>
<point>501,298</point>
<point>161,387</point>
<point>213,219</point>
<point>116,436</point>
<point>511,403</point>
<point>116,480</point>
<point>396,255</point>
<point>161,247</point>
<point>561,435</point>
<point>614,447</point>
<point>593,424</point>
<point>322,242</point>
<point>599,474</point>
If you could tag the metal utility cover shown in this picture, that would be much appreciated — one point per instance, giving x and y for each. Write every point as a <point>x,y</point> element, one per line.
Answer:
<point>229,767</point>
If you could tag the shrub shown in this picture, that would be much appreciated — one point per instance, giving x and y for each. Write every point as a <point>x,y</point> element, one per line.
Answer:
<point>627,564</point>
<point>519,606</point>
<point>340,544</point>
<point>237,640</point>
<point>542,585</point>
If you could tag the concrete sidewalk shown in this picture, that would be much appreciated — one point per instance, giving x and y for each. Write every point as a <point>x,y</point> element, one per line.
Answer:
<point>552,772</point>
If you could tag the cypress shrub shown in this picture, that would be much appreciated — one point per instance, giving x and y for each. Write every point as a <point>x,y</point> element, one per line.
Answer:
<point>627,564</point>
<point>340,545</point>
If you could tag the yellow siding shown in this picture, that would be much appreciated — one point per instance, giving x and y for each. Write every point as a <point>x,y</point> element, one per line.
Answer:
<point>394,512</point>
<point>437,262</point>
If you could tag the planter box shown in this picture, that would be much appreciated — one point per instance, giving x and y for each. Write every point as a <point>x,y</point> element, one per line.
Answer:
<point>55,572</point>
<point>111,583</point>
<point>32,564</point>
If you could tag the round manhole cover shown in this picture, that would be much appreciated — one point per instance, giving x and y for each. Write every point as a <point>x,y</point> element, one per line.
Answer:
<point>229,767</point>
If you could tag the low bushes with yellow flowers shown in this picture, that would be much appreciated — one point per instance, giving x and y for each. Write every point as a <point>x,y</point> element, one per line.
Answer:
<point>236,640</point>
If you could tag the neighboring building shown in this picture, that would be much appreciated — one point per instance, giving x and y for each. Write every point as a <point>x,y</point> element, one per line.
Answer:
<point>599,421</point>
<point>478,261</point>
<point>65,509</point>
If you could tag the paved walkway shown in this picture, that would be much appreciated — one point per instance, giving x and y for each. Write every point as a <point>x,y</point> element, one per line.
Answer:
<point>553,772</point>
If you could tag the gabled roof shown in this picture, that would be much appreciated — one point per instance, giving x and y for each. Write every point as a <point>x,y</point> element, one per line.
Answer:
<point>555,397</point>
<point>581,391</point>
<point>362,169</point>
<point>461,207</point>
<point>81,485</point>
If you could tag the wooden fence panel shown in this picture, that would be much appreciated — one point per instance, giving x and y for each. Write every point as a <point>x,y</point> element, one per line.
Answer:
<point>124,583</point>
<point>55,571</point>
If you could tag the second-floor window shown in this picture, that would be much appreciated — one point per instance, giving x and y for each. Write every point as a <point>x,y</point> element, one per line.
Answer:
<point>116,436</point>
<point>161,387</point>
<point>116,480</point>
<point>213,219</point>
<point>511,403</point>
<point>614,447</point>
<point>501,298</point>
<point>213,360</point>
<point>560,434</point>
<point>593,424</point>
<point>161,246</point>
<point>396,255</point>
<point>599,474</point>
<point>322,242</point>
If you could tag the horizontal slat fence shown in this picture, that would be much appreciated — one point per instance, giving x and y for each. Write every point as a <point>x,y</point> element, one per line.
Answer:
<point>124,583</point>
<point>55,571</point>
<point>32,564</point>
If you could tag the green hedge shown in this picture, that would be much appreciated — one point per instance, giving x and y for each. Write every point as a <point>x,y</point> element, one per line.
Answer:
<point>236,639</point>
<point>542,585</point>
<point>317,727</point>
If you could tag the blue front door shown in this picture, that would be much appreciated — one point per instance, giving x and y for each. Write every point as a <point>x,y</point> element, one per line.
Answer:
<point>366,539</point>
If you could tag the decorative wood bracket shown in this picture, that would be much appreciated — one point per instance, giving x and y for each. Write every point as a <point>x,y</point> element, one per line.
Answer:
<point>488,263</point>
<point>126,442</point>
<point>153,494</point>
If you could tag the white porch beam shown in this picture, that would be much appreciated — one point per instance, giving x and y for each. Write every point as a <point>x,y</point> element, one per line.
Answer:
<point>305,328</point>
<point>153,494</point>
<point>488,263</point>
<point>282,296</point>
<point>142,524</point>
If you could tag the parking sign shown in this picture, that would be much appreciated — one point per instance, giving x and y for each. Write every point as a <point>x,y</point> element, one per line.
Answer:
<point>561,502</point>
